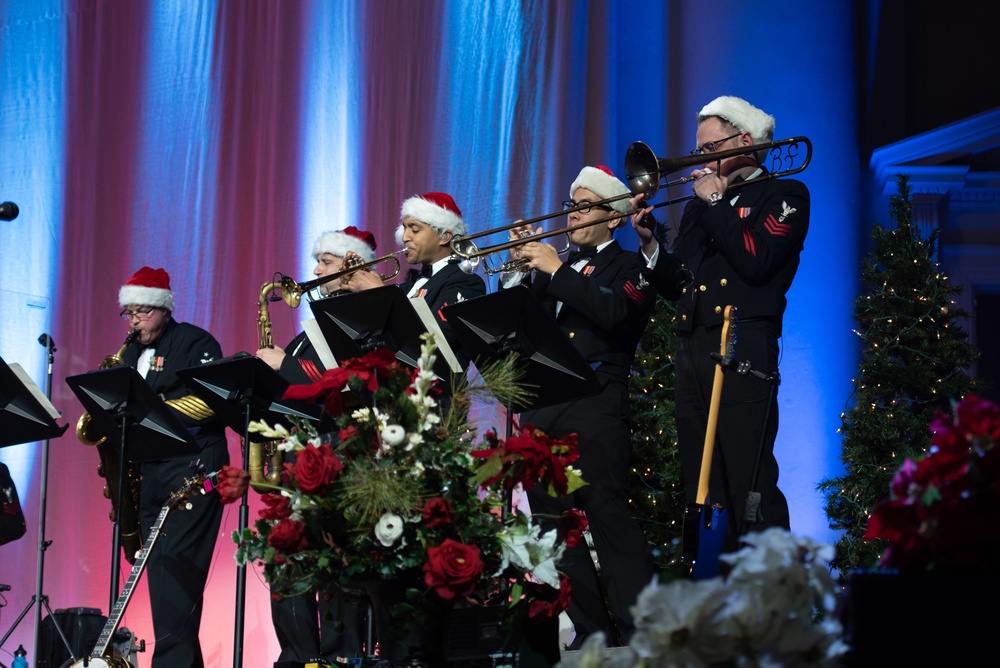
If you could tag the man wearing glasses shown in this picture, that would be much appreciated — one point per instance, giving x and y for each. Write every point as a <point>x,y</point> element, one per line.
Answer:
<point>601,301</point>
<point>738,244</point>
<point>177,568</point>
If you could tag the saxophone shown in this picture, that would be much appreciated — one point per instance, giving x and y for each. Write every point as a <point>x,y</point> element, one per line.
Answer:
<point>88,434</point>
<point>260,450</point>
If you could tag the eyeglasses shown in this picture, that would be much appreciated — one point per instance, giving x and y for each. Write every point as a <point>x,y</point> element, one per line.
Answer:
<point>139,313</point>
<point>570,204</point>
<point>710,146</point>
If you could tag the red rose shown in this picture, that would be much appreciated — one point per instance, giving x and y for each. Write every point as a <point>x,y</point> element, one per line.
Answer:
<point>233,484</point>
<point>315,468</point>
<point>437,511</point>
<point>452,569</point>
<point>276,507</point>
<point>287,536</point>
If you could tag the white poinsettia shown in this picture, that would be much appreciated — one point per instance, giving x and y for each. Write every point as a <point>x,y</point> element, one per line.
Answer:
<point>389,529</point>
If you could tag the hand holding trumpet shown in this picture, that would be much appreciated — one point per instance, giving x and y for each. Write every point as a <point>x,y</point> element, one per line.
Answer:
<point>356,281</point>
<point>533,255</point>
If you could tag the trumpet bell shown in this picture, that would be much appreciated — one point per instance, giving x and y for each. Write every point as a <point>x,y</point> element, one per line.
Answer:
<point>467,250</point>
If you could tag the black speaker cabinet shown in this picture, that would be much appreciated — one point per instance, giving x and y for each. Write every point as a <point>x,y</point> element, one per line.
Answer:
<point>81,626</point>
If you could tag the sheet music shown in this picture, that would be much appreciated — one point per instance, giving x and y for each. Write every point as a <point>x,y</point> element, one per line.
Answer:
<point>39,396</point>
<point>431,323</point>
<point>318,342</point>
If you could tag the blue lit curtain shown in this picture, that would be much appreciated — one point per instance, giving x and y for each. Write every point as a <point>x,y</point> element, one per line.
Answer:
<point>219,139</point>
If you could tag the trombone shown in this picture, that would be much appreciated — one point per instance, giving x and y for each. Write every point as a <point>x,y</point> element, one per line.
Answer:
<point>291,292</point>
<point>644,173</point>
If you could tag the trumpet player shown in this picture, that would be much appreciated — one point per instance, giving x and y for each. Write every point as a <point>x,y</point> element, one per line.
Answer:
<point>738,248</point>
<point>427,224</point>
<point>600,300</point>
<point>178,568</point>
<point>320,625</point>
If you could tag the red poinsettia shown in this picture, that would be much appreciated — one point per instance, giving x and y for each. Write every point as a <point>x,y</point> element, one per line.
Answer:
<point>943,513</point>
<point>329,388</point>
<point>530,457</point>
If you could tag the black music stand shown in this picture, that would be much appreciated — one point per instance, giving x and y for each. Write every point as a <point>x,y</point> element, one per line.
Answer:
<point>25,418</point>
<point>127,411</point>
<point>240,389</point>
<point>496,325</point>
<point>359,322</point>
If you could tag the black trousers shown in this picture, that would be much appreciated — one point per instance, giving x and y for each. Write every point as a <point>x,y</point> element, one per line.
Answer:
<point>325,626</point>
<point>740,428</point>
<point>603,427</point>
<point>177,567</point>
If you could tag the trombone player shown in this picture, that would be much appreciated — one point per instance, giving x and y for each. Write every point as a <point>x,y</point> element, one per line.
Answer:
<point>328,626</point>
<point>738,248</point>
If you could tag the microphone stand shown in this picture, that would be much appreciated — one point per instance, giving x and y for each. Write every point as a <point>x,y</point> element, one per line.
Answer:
<point>40,598</point>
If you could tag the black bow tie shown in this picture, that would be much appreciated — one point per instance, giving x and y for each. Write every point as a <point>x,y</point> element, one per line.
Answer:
<point>582,254</point>
<point>413,275</point>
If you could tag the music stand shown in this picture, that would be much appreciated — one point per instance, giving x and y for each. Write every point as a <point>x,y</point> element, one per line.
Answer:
<point>240,389</point>
<point>357,323</point>
<point>24,418</point>
<point>27,416</point>
<point>127,411</point>
<point>494,326</point>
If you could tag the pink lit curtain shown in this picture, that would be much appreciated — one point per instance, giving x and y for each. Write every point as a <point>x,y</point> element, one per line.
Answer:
<point>218,139</point>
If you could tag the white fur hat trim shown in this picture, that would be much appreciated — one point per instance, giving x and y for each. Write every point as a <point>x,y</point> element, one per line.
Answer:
<point>741,114</point>
<point>600,181</point>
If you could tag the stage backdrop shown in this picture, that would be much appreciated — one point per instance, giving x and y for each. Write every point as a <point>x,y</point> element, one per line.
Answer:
<point>218,139</point>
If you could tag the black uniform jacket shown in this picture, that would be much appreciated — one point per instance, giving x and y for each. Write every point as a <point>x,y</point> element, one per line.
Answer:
<point>449,285</point>
<point>182,345</point>
<point>605,306</point>
<point>745,254</point>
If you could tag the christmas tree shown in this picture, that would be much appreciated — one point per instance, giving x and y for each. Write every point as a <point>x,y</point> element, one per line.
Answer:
<point>656,492</point>
<point>913,363</point>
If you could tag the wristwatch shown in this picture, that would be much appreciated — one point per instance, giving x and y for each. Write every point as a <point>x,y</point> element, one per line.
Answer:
<point>715,198</point>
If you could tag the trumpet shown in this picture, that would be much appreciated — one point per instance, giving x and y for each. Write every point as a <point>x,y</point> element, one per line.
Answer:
<point>291,292</point>
<point>644,173</point>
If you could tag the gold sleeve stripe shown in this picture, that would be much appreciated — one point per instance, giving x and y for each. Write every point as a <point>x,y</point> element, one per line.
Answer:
<point>192,406</point>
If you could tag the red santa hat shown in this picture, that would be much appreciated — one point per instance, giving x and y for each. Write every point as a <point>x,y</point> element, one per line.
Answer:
<point>601,181</point>
<point>338,242</point>
<point>147,287</point>
<point>435,209</point>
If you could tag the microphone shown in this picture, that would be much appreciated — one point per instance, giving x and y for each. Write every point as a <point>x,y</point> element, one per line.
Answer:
<point>47,341</point>
<point>8,211</point>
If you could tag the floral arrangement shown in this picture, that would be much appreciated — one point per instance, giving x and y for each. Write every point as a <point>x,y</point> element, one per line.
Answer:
<point>943,510</point>
<point>774,607</point>
<point>402,490</point>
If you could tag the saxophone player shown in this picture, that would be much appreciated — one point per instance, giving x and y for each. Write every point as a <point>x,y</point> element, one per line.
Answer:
<point>299,362</point>
<point>311,626</point>
<point>178,568</point>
